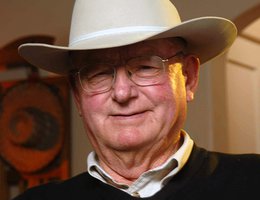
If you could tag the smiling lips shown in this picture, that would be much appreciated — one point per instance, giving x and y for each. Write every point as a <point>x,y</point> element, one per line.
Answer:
<point>124,116</point>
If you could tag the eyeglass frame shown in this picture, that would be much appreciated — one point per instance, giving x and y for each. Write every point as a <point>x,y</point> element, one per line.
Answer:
<point>77,73</point>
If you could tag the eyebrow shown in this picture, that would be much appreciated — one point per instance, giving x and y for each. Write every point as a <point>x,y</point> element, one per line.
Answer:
<point>146,50</point>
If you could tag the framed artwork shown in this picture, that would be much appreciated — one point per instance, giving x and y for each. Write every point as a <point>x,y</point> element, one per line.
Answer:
<point>34,124</point>
<point>34,136</point>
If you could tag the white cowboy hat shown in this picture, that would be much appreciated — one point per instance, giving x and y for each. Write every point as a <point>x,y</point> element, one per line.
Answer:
<point>99,24</point>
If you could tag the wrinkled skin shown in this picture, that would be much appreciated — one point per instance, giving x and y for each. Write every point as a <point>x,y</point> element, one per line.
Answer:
<point>134,128</point>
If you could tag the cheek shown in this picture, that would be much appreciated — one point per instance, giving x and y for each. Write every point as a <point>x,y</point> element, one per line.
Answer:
<point>172,89</point>
<point>169,100</point>
<point>92,110</point>
<point>172,94</point>
<point>164,99</point>
<point>90,104</point>
<point>93,113</point>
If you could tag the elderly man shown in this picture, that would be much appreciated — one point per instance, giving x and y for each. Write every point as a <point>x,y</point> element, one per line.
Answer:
<point>133,66</point>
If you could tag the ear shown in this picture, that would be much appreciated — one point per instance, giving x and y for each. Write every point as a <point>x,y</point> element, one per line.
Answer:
<point>191,73</point>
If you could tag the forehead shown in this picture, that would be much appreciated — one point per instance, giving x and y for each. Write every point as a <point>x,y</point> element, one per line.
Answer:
<point>161,47</point>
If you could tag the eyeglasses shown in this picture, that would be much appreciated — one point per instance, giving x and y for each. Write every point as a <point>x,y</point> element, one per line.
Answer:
<point>143,71</point>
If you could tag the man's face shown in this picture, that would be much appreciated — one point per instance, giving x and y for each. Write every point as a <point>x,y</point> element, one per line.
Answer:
<point>129,117</point>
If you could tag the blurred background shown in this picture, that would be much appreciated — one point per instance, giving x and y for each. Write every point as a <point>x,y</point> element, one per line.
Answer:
<point>224,116</point>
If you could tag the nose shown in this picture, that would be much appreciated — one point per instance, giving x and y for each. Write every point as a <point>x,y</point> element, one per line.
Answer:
<point>123,88</point>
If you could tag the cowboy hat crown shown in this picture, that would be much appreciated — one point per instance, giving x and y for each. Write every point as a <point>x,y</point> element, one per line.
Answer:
<point>105,24</point>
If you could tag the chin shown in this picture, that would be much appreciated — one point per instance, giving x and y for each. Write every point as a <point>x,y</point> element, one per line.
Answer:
<point>130,144</point>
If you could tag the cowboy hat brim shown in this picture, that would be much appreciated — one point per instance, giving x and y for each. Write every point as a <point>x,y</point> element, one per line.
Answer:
<point>207,37</point>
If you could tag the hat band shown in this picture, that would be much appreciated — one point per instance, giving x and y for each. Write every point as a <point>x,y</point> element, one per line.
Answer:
<point>115,31</point>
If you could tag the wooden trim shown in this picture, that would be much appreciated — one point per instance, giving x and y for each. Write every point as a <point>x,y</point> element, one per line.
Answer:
<point>235,62</point>
<point>247,17</point>
<point>250,38</point>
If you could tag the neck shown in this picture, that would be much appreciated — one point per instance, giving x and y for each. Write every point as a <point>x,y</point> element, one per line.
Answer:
<point>125,167</point>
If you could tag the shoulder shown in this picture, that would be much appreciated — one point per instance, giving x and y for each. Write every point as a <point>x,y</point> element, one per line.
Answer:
<point>231,166</point>
<point>82,186</point>
<point>241,161</point>
<point>217,173</point>
<point>244,160</point>
<point>76,186</point>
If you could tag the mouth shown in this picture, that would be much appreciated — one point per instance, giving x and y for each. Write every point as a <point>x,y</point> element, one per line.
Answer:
<point>132,115</point>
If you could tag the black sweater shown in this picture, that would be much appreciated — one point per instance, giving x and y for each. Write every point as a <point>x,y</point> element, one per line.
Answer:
<point>207,175</point>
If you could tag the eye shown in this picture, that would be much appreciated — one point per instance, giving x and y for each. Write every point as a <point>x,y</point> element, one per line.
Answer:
<point>100,73</point>
<point>95,70</point>
<point>96,74</point>
<point>145,66</point>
